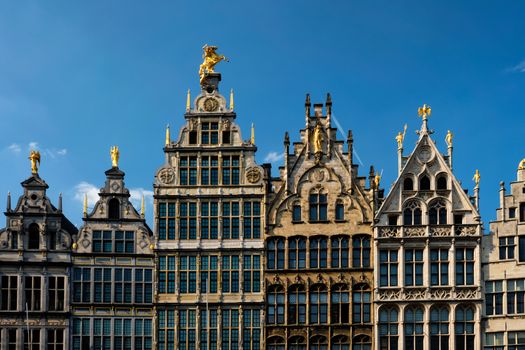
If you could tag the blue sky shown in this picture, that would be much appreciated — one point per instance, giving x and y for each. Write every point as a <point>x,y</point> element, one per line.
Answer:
<point>77,78</point>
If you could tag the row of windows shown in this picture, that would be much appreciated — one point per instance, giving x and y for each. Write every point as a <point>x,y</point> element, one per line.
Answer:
<point>318,209</point>
<point>296,304</point>
<point>209,170</point>
<point>318,249</point>
<point>513,297</point>
<point>212,277</point>
<point>32,293</point>
<point>112,285</point>
<point>31,338</point>
<point>507,248</point>
<point>209,133</point>
<point>31,240</point>
<point>414,267</point>
<point>496,341</point>
<point>425,183</point>
<point>512,212</point>
<point>231,329</point>
<point>319,342</point>
<point>112,333</point>
<point>413,326</point>
<point>113,241</point>
<point>211,218</point>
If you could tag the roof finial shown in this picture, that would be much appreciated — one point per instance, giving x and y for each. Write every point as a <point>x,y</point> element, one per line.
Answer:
<point>60,201</point>
<point>142,208</point>
<point>424,112</point>
<point>8,201</point>
<point>34,157</point>
<point>84,211</point>
<point>168,138</point>
<point>252,138</point>
<point>188,101</point>
<point>115,155</point>
<point>232,105</point>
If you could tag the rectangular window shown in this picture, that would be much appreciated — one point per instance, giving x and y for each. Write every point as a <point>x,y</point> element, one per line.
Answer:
<point>102,333</point>
<point>521,248</point>
<point>522,212</point>
<point>210,133</point>
<point>494,341</point>
<point>230,170</point>
<point>506,248</point>
<point>208,271</point>
<point>230,273</point>
<point>414,267</point>
<point>143,334</point>
<point>252,273</point>
<point>339,211</point>
<point>102,242</point>
<point>188,274</point>
<point>124,241</point>
<point>516,340</point>
<point>56,293</point>
<point>230,220</point>
<point>188,220</point>
<point>122,333</point>
<point>123,285</point>
<point>82,284</point>
<point>166,274</point>
<point>33,292</point>
<point>9,293</point>
<point>252,220</point>
<point>296,216</point>
<point>188,170</point>
<point>32,339</point>
<point>512,213</point>
<point>388,261</point>
<point>208,330</point>
<point>81,333</point>
<point>226,137</point>
<point>230,329</point>
<point>439,267</point>
<point>143,286</point>
<point>102,282</point>
<point>318,207</point>
<point>251,329</point>
<point>166,329</point>
<point>11,339</point>
<point>187,330</point>
<point>193,138</point>
<point>464,266</point>
<point>209,170</point>
<point>14,240</point>
<point>494,297</point>
<point>516,296</point>
<point>209,220</point>
<point>166,217</point>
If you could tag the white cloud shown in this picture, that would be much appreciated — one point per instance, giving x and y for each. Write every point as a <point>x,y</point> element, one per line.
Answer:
<point>520,67</point>
<point>85,188</point>
<point>136,196</point>
<point>273,157</point>
<point>32,145</point>
<point>15,148</point>
<point>62,152</point>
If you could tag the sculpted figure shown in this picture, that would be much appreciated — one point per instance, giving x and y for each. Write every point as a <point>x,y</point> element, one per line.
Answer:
<point>115,154</point>
<point>401,137</point>
<point>476,177</point>
<point>521,166</point>
<point>211,58</point>
<point>318,139</point>
<point>34,157</point>
<point>448,138</point>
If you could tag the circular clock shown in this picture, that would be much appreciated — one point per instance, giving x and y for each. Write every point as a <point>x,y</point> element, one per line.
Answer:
<point>211,104</point>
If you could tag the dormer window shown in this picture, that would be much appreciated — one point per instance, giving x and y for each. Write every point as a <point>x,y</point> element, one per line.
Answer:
<point>210,133</point>
<point>114,209</point>
<point>33,237</point>
<point>424,183</point>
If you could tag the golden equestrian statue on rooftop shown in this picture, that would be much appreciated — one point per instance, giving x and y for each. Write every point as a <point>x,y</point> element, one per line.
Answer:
<point>211,58</point>
<point>34,157</point>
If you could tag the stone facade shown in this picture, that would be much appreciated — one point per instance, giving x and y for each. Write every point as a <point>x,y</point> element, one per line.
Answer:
<point>427,254</point>
<point>503,272</point>
<point>209,216</point>
<point>112,276</point>
<point>318,276</point>
<point>35,263</point>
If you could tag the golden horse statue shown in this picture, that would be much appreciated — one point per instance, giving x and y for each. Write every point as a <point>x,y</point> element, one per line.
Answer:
<point>211,58</point>
<point>34,157</point>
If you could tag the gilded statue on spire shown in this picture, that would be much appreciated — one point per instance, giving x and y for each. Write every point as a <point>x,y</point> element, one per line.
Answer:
<point>401,137</point>
<point>521,166</point>
<point>476,178</point>
<point>448,138</point>
<point>211,58</point>
<point>424,112</point>
<point>34,157</point>
<point>318,139</point>
<point>115,155</point>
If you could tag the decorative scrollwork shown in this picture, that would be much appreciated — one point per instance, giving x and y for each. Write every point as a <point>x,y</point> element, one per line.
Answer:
<point>440,231</point>
<point>466,230</point>
<point>414,231</point>
<point>389,232</point>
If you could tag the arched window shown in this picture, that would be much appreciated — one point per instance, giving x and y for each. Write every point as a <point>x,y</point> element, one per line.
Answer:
<point>408,184</point>
<point>297,253</point>
<point>318,342</point>
<point>318,252</point>
<point>113,209</point>
<point>340,307</point>
<point>464,327</point>
<point>33,236</point>
<point>362,342</point>
<point>414,328</point>
<point>388,328</point>
<point>340,250</point>
<point>361,304</point>
<point>412,214</point>
<point>424,183</point>
<point>297,343</point>
<point>318,206</point>
<point>439,328</point>
<point>340,342</point>
<point>339,210</point>
<point>275,308</point>
<point>318,304</point>
<point>361,251</point>
<point>296,305</point>
<point>275,343</point>
<point>437,214</point>
<point>441,182</point>
<point>275,253</point>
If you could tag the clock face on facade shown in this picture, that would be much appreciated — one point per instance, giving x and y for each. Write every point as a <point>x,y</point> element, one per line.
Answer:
<point>211,104</point>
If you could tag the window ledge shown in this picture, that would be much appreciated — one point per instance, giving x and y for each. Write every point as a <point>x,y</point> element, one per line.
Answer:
<point>319,221</point>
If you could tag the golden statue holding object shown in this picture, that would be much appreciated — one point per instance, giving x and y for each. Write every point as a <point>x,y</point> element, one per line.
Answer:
<point>34,157</point>
<point>448,138</point>
<point>521,166</point>
<point>476,178</point>
<point>318,139</point>
<point>424,112</point>
<point>401,137</point>
<point>115,155</point>
<point>211,58</point>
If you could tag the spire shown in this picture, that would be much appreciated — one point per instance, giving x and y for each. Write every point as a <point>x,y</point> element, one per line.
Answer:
<point>232,105</point>
<point>168,139</point>
<point>188,101</point>
<point>142,208</point>
<point>252,138</point>
<point>307,106</point>
<point>8,201</point>
<point>85,205</point>
<point>60,202</point>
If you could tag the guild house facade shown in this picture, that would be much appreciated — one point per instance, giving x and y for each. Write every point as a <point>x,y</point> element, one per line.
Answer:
<point>314,256</point>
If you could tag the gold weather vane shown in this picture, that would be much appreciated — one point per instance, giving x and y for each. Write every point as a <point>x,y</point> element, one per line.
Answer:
<point>211,58</point>
<point>424,112</point>
<point>476,178</point>
<point>34,157</point>
<point>448,138</point>
<point>115,155</point>
<point>401,137</point>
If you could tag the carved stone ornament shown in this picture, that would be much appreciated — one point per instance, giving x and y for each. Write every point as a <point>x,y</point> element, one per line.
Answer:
<point>298,280</point>
<point>319,175</point>
<point>166,176</point>
<point>425,154</point>
<point>226,125</point>
<point>253,175</point>
<point>211,104</point>
<point>277,280</point>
